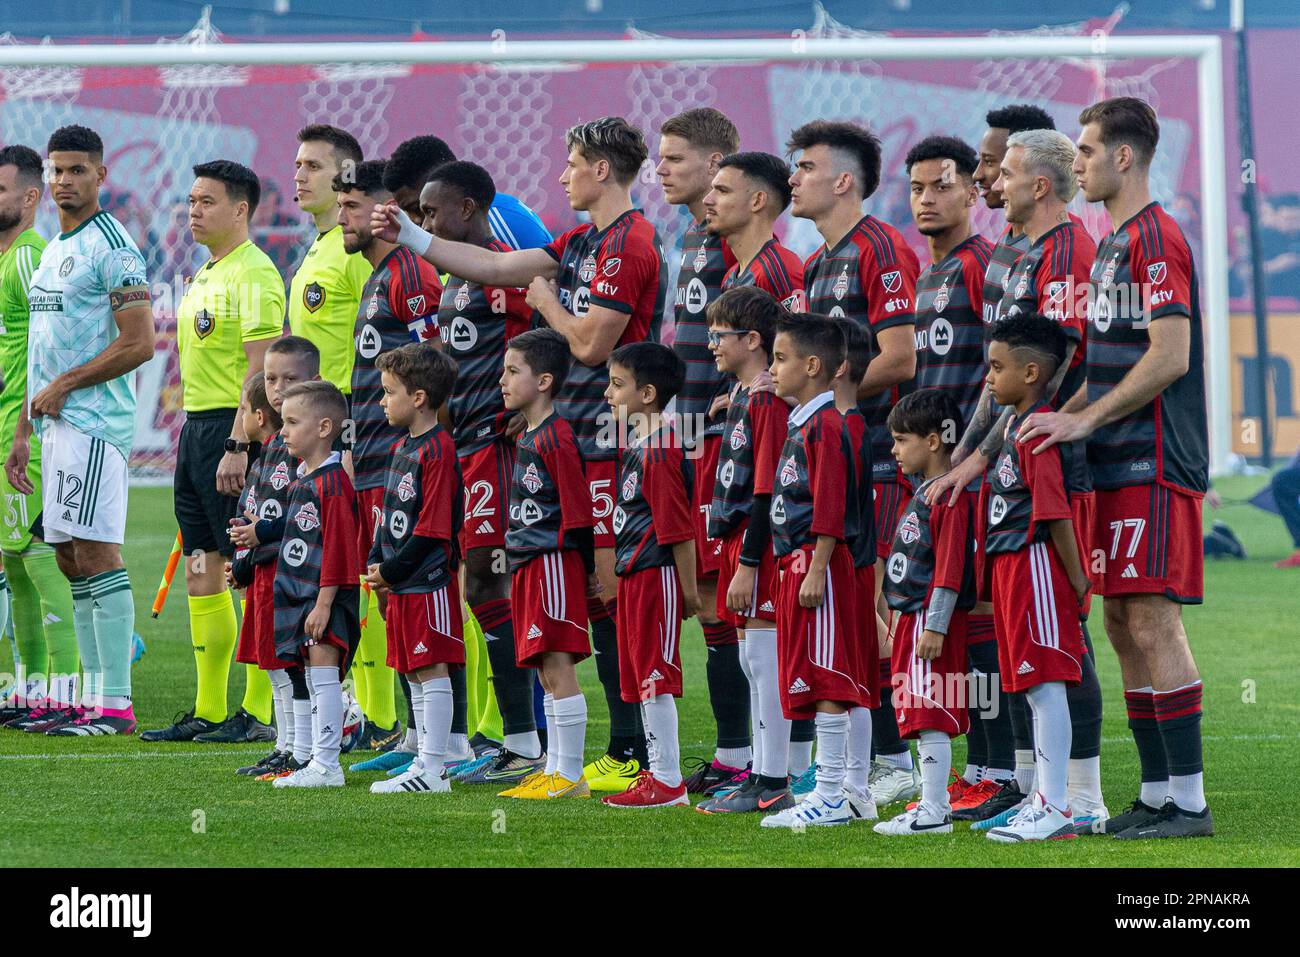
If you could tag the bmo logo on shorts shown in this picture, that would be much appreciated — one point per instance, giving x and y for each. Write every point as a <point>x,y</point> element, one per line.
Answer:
<point>295,552</point>
<point>620,519</point>
<point>369,343</point>
<point>997,509</point>
<point>398,524</point>
<point>897,567</point>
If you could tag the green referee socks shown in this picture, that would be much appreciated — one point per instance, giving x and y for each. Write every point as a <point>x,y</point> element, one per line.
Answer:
<point>212,633</point>
<point>257,693</point>
<point>380,680</point>
<point>114,617</point>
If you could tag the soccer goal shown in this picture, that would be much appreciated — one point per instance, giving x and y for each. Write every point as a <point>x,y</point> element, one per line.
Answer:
<point>505,103</point>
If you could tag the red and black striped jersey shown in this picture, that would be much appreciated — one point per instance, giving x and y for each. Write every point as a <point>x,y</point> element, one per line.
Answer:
<point>860,528</point>
<point>549,496</point>
<point>934,547</point>
<point>423,495</point>
<point>949,327</point>
<point>705,260</point>
<point>1006,253</point>
<point>870,276</point>
<point>1022,491</point>
<point>620,267</point>
<point>814,493</point>
<point>775,269</point>
<point>267,490</point>
<point>751,447</point>
<point>1144,272</point>
<point>476,322</point>
<point>399,305</point>
<point>653,510</point>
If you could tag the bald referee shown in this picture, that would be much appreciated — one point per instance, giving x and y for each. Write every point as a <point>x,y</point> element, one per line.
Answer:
<point>232,310</point>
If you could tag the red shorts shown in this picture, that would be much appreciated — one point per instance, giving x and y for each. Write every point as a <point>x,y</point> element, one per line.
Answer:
<point>708,551</point>
<point>370,512</point>
<point>762,601</point>
<point>1149,540</point>
<point>930,695</point>
<point>817,646</point>
<point>548,600</point>
<point>649,630</point>
<point>425,629</point>
<point>868,638</point>
<point>1083,508</point>
<point>891,500</point>
<point>1037,618</point>
<point>485,475</point>
<point>257,632</point>
<point>601,477</point>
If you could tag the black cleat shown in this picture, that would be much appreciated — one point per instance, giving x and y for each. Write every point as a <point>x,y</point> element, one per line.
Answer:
<point>10,710</point>
<point>1137,815</point>
<point>1172,821</point>
<point>184,727</point>
<point>266,763</point>
<point>240,728</point>
<point>707,775</point>
<point>375,738</point>
<point>1008,797</point>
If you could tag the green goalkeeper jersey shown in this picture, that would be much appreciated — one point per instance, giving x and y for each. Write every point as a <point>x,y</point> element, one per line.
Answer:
<point>17,264</point>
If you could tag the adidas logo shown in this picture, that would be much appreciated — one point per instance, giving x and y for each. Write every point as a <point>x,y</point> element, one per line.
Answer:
<point>51,619</point>
<point>601,529</point>
<point>328,729</point>
<point>656,676</point>
<point>929,759</point>
<point>486,529</point>
<point>766,606</point>
<point>67,514</point>
<point>799,687</point>
<point>419,649</point>
<point>1025,668</point>
<point>1129,571</point>
<point>534,632</point>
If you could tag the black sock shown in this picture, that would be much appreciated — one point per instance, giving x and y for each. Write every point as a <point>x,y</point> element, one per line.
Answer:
<point>728,686</point>
<point>626,732</point>
<point>298,678</point>
<point>459,703</point>
<point>773,783</point>
<point>1178,718</point>
<point>512,685</point>
<point>803,730</point>
<point>1084,701</point>
<point>1022,728</point>
<point>406,693</point>
<point>995,722</point>
<point>884,720</point>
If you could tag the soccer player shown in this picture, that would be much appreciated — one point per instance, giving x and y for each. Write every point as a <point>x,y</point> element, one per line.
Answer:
<point>476,322</point>
<point>866,271</point>
<point>552,555</point>
<point>398,305</point>
<point>742,324</point>
<point>655,531</point>
<point>316,573</point>
<point>691,146</point>
<point>414,161</point>
<point>816,604</point>
<point>749,192</point>
<point>1144,418</point>
<point>1030,539</point>
<point>45,646</point>
<point>91,328</point>
<point>232,308</point>
<point>611,281</point>
<point>415,554</point>
<point>930,582</point>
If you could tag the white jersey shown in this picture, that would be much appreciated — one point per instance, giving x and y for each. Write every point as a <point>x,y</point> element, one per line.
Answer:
<point>72,322</point>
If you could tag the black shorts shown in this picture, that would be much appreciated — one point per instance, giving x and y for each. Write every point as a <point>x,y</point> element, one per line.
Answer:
<point>202,512</point>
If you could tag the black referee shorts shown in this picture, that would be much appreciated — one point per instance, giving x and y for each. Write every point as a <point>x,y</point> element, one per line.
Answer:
<point>202,512</point>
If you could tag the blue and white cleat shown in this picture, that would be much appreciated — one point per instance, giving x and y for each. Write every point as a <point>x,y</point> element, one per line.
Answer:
<point>384,761</point>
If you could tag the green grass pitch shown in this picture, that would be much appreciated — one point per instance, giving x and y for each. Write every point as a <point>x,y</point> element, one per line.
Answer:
<point>118,802</point>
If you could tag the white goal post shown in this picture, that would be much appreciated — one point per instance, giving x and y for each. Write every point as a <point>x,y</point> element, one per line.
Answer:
<point>1204,49</point>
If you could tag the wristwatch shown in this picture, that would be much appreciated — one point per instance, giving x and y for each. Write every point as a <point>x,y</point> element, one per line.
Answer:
<point>234,445</point>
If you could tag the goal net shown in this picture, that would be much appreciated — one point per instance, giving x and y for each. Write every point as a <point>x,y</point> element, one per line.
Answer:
<point>157,122</point>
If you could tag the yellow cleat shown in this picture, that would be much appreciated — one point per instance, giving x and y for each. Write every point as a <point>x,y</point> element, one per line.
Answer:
<point>564,788</point>
<point>608,773</point>
<point>537,780</point>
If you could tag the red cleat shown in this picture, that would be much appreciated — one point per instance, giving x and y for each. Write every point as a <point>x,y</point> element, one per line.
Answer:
<point>1291,562</point>
<point>957,786</point>
<point>977,795</point>
<point>648,791</point>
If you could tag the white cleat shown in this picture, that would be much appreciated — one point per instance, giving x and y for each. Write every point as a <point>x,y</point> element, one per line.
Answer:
<point>861,806</point>
<point>414,780</point>
<point>1037,821</point>
<point>812,811</point>
<point>889,784</point>
<point>1089,817</point>
<point>312,776</point>
<point>915,821</point>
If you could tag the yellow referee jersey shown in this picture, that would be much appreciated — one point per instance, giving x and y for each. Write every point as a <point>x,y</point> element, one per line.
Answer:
<point>324,298</point>
<point>236,299</point>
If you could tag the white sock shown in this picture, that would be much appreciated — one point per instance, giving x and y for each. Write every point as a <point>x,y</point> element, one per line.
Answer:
<point>733,757</point>
<point>1024,773</point>
<point>526,744</point>
<point>1000,775</point>
<point>302,730</point>
<point>755,712</point>
<point>858,765</point>
<point>902,760</point>
<point>328,693</point>
<point>1188,791</point>
<point>972,774</point>
<point>552,752</point>
<point>935,749</point>
<point>660,713</point>
<point>410,741</point>
<point>800,757</point>
<point>776,753</point>
<point>1083,783</point>
<point>458,747</point>
<point>417,708</point>
<point>569,723</point>
<point>832,743</point>
<point>436,710</point>
<point>1052,733</point>
<point>282,702</point>
<point>315,711</point>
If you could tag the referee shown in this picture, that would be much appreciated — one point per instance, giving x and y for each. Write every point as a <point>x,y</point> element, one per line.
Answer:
<point>232,310</point>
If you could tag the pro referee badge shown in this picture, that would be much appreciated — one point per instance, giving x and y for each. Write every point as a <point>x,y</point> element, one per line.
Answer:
<point>204,323</point>
<point>313,296</point>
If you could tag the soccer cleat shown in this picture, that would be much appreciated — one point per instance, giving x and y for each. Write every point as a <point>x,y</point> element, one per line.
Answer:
<point>283,770</point>
<point>11,710</point>
<point>414,780</point>
<point>459,772</point>
<point>748,786</point>
<point>915,821</point>
<point>91,725</point>
<point>1036,821</point>
<point>975,795</point>
<point>385,761</point>
<point>608,773</point>
<point>957,788</point>
<point>1137,814</point>
<point>735,781</point>
<point>1007,798</point>
<point>749,799</point>
<point>240,728</point>
<point>506,768</point>
<point>184,727</point>
<point>889,784</point>
<point>813,811</point>
<point>861,806</point>
<point>1291,561</point>
<point>314,775</point>
<point>561,787</point>
<point>375,738</point>
<point>1171,821</point>
<point>707,774</point>
<point>42,720</point>
<point>137,647</point>
<point>648,791</point>
<point>537,780</point>
<point>269,762</point>
<point>481,744</point>
<point>407,760</point>
<point>803,785</point>
<point>1089,818</point>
